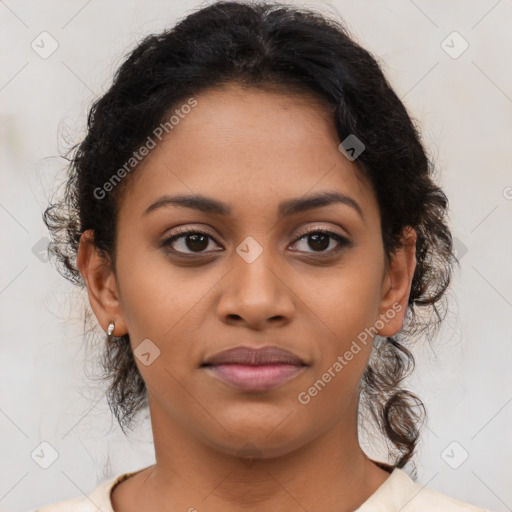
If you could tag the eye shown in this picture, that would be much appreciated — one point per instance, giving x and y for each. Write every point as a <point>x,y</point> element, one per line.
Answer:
<point>195,241</point>
<point>320,240</point>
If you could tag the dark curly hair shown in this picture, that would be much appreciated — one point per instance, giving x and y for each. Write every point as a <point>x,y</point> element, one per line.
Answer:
<point>274,47</point>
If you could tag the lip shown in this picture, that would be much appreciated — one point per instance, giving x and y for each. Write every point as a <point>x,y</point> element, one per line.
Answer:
<point>254,369</point>
<point>244,355</point>
<point>255,377</point>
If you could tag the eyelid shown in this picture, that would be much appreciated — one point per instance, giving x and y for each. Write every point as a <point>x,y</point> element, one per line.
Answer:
<point>301,232</point>
<point>190,229</point>
<point>319,227</point>
<point>180,231</point>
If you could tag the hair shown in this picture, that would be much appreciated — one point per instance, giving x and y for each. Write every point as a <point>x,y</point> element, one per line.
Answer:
<point>271,46</point>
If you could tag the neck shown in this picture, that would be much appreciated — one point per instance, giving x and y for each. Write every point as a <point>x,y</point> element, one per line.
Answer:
<point>330,472</point>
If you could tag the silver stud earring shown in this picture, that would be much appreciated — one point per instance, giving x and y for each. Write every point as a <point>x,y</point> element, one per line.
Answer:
<point>110,329</point>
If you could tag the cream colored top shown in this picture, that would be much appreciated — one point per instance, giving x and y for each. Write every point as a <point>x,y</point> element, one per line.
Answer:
<point>398,493</point>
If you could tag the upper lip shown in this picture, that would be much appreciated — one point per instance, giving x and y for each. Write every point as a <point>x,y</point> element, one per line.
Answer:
<point>254,356</point>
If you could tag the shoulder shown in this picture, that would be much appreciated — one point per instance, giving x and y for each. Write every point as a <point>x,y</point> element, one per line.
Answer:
<point>429,499</point>
<point>419,498</point>
<point>401,493</point>
<point>98,499</point>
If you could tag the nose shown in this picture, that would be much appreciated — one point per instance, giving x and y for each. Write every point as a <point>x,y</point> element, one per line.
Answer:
<point>256,294</point>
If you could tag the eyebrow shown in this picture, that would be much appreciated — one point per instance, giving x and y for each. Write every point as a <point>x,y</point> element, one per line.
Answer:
<point>286,208</point>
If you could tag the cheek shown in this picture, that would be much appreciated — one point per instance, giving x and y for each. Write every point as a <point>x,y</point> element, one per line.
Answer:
<point>347,303</point>
<point>347,299</point>
<point>165,304</point>
<point>155,294</point>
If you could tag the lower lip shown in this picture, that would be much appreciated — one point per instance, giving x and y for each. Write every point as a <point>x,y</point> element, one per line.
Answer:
<point>255,378</point>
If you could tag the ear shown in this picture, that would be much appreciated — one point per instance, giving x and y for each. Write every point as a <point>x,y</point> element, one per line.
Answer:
<point>101,284</point>
<point>397,283</point>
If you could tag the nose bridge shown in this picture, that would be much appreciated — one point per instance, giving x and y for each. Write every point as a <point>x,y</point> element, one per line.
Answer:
<point>254,269</point>
<point>255,292</point>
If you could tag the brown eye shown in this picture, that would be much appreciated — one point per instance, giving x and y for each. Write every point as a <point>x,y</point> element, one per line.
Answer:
<point>319,241</point>
<point>188,242</point>
<point>197,242</point>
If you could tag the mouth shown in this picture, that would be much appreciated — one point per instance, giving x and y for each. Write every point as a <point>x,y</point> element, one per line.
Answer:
<point>254,378</point>
<point>254,356</point>
<point>255,370</point>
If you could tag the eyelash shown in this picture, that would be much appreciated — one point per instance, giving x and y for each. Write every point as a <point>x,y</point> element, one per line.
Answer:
<point>343,241</point>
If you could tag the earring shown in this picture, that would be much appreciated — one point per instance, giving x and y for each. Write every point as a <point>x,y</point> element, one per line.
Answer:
<point>110,329</point>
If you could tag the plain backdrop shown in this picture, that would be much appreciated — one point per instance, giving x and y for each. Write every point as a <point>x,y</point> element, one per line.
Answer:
<point>448,61</point>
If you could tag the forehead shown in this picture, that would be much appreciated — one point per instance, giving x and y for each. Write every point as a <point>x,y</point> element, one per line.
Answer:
<point>250,148</point>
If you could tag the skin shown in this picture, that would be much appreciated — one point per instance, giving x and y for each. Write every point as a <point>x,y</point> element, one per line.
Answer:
<point>250,149</point>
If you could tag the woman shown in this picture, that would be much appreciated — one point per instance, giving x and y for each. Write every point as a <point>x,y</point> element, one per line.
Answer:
<point>255,220</point>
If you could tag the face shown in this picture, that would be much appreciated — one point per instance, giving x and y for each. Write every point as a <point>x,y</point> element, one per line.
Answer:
<point>262,265</point>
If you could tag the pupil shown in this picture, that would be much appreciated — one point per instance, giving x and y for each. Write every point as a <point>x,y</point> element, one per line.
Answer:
<point>322,244</point>
<point>199,242</point>
<point>318,241</point>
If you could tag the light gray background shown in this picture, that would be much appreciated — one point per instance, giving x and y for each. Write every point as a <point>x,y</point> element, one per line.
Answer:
<point>464,106</point>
